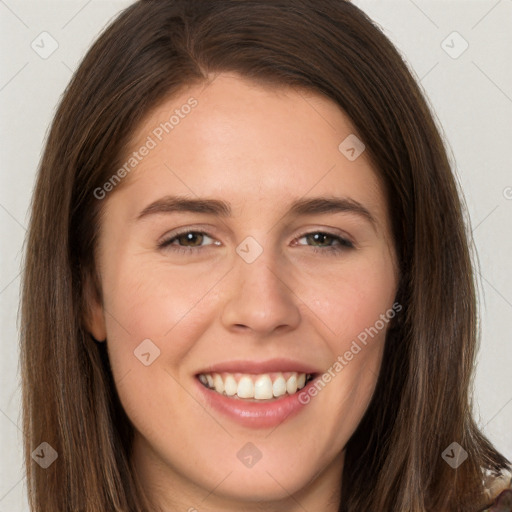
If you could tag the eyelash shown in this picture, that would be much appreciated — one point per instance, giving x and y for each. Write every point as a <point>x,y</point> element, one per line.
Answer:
<point>343,246</point>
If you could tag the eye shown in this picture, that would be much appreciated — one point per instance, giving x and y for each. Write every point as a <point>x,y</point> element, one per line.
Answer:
<point>341,244</point>
<point>194,238</point>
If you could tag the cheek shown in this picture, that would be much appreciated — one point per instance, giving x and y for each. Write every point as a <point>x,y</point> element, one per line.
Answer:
<point>353,302</point>
<point>152,317</point>
<point>145,299</point>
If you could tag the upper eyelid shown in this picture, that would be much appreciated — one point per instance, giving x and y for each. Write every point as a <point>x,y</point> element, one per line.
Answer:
<point>172,236</point>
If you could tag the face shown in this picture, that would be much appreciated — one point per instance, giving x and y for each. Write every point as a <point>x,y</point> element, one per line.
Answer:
<point>258,291</point>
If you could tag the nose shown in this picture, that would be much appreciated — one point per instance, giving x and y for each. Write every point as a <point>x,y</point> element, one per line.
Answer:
<point>259,297</point>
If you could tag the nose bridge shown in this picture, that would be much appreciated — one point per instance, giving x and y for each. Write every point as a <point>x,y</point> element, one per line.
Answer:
<point>258,295</point>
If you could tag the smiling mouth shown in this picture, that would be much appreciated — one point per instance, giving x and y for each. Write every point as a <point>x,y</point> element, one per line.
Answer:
<point>256,387</point>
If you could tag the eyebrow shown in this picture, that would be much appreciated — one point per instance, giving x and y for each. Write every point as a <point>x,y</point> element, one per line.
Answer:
<point>217,207</point>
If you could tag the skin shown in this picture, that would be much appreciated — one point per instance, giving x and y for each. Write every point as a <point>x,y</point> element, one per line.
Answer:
<point>259,149</point>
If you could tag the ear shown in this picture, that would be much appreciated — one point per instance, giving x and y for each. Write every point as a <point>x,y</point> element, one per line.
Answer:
<point>93,317</point>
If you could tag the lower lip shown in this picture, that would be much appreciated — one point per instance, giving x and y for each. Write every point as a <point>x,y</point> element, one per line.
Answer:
<point>266,414</point>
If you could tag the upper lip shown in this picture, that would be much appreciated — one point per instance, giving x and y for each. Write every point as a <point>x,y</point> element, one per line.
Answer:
<point>268,366</point>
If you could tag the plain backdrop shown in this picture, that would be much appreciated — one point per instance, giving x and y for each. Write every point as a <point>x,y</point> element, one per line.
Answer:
<point>460,51</point>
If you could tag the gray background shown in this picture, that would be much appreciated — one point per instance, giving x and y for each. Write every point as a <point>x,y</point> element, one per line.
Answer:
<point>470,92</point>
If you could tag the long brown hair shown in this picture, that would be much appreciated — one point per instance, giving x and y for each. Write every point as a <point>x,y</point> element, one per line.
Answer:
<point>152,50</point>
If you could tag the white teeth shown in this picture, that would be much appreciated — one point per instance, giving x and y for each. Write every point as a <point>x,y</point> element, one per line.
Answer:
<point>291,384</point>
<point>245,388</point>
<point>263,388</point>
<point>218,383</point>
<point>279,386</point>
<point>260,387</point>
<point>230,385</point>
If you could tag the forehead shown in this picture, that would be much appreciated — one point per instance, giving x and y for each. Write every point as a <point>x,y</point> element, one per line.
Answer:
<point>248,144</point>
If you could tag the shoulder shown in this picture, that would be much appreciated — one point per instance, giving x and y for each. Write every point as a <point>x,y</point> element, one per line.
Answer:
<point>499,489</point>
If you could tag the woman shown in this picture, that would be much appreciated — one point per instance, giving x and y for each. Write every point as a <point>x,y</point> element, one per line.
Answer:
<point>262,370</point>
